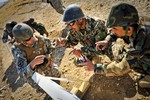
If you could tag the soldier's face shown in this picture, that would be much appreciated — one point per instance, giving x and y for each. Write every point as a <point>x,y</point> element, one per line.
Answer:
<point>30,42</point>
<point>73,25</point>
<point>119,31</point>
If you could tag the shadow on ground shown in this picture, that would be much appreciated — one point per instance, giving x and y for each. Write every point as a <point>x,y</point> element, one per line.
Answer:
<point>110,88</point>
<point>12,78</point>
<point>144,92</point>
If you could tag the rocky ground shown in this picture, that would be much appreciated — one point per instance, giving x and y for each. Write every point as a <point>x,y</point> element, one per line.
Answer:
<point>101,88</point>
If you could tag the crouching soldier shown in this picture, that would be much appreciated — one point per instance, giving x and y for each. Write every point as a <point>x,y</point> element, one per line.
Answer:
<point>32,53</point>
<point>81,29</point>
<point>137,57</point>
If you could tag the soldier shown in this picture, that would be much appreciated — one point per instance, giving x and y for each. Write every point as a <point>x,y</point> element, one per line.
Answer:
<point>81,29</point>
<point>123,21</point>
<point>8,32</point>
<point>57,5</point>
<point>34,25</point>
<point>32,53</point>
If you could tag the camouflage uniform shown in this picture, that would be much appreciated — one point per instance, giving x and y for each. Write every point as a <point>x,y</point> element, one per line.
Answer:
<point>24,55</point>
<point>137,55</point>
<point>94,31</point>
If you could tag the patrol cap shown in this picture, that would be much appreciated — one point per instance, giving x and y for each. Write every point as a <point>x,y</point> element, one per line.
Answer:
<point>122,14</point>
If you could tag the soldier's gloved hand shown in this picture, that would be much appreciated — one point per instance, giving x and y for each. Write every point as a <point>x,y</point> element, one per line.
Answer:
<point>88,65</point>
<point>37,60</point>
<point>101,45</point>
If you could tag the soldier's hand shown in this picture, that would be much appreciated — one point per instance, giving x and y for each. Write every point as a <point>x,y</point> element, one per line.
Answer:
<point>37,60</point>
<point>101,45</point>
<point>60,42</point>
<point>88,65</point>
<point>76,52</point>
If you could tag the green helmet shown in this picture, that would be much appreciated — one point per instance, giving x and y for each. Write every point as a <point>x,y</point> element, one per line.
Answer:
<point>72,12</point>
<point>22,32</point>
<point>9,25</point>
<point>122,15</point>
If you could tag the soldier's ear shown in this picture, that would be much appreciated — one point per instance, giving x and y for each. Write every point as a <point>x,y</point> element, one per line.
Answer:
<point>130,31</point>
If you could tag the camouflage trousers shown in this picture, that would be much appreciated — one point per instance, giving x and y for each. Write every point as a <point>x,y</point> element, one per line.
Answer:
<point>57,5</point>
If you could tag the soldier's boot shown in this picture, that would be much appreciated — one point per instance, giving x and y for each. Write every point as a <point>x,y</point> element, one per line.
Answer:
<point>145,82</point>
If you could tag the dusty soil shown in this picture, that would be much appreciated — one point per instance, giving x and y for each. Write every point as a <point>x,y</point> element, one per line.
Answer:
<point>101,88</point>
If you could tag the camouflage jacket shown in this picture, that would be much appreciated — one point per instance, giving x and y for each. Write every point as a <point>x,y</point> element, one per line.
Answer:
<point>137,57</point>
<point>94,32</point>
<point>20,56</point>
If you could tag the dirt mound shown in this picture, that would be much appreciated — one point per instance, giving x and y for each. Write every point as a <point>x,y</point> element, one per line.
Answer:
<point>102,88</point>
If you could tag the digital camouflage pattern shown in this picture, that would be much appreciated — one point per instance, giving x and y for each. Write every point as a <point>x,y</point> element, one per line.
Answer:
<point>94,32</point>
<point>24,55</point>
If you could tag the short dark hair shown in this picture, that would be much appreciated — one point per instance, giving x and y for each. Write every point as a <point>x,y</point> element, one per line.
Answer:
<point>135,26</point>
